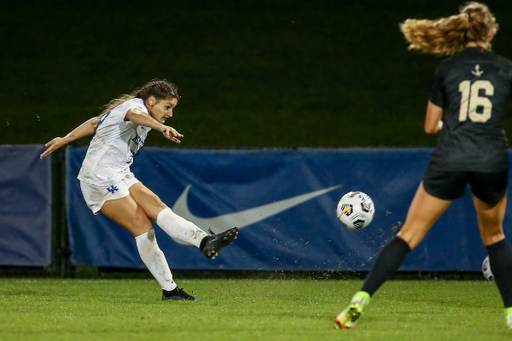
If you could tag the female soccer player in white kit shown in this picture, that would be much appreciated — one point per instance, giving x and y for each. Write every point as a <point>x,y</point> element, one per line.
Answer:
<point>109,187</point>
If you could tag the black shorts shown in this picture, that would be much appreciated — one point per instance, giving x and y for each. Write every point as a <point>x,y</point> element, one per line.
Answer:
<point>490,187</point>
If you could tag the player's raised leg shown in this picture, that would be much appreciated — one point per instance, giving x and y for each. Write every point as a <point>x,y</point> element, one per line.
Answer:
<point>179,228</point>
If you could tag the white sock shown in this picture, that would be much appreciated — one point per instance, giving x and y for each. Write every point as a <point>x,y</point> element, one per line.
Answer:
<point>179,228</point>
<point>154,259</point>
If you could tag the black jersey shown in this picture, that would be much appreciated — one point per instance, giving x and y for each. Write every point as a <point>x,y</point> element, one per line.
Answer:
<point>473,88</point>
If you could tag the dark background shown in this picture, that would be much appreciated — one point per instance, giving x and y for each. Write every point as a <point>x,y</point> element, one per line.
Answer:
<point>252,74</point>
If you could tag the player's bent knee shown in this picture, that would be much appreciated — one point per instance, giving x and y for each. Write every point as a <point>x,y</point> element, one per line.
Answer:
<point>157,202</point>
<point>138,224</point>
<point>138,229</point>
<point>154,201</point>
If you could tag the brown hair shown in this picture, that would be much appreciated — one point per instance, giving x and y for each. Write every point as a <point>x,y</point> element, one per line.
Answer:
<point>450,35</point>
<point>160,89</point>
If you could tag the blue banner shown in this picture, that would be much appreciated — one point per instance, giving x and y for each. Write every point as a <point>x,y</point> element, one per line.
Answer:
<point>25,210</point>
<point>284,203</point>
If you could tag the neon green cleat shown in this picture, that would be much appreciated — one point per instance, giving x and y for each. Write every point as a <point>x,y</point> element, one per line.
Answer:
<point>508,317</point>
<point>348,317</point>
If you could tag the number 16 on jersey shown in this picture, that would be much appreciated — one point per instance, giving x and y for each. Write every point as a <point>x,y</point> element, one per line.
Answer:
<point>471,100</point>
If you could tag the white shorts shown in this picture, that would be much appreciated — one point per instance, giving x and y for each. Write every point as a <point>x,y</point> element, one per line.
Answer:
<point>96,196</point>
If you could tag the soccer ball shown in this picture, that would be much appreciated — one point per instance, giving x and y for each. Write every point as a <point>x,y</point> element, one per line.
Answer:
<point>486,269</point>
<point>355,210</point>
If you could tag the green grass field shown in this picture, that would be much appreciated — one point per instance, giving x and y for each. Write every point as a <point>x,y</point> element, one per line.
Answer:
<point>246,309</point>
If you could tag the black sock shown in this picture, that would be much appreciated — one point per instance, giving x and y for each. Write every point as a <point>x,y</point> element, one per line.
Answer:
<point>388,261</point>
<point>500,259</point>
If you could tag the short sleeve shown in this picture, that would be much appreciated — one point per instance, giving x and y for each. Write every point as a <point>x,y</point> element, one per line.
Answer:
<point>437,90</point>
<point>118,114</point>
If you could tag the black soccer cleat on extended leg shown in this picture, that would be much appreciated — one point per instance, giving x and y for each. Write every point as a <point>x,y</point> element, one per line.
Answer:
<point>211,245</point>
<point>177,294</point>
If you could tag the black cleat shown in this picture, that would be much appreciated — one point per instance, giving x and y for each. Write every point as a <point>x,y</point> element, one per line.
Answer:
<point>211,245</point>
<point>177,294</point>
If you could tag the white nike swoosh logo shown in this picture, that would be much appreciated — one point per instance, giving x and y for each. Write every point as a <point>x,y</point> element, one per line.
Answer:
<point>243,218</point>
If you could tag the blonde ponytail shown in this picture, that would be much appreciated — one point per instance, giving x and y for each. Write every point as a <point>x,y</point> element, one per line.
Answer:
<point>452,34</point>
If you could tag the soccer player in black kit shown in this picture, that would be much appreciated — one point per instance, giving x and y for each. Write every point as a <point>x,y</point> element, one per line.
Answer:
<point>467,108</point>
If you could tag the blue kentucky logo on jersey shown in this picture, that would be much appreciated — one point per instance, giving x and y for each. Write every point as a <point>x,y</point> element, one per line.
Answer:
<point>139,142</point>
<point>112,189</point>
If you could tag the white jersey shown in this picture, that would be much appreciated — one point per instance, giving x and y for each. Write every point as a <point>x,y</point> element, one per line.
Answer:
<point>111,150</point>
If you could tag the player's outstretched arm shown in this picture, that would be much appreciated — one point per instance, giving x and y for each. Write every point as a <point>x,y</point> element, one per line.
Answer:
<point>85,129</point>
<point>141,118</point>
